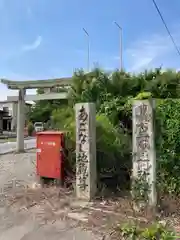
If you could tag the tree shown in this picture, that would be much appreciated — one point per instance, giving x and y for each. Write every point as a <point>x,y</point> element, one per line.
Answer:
<point>43,109</point>
<point>113,94</point>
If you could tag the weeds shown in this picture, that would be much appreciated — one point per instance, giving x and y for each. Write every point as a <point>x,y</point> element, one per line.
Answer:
<point>155,231</point>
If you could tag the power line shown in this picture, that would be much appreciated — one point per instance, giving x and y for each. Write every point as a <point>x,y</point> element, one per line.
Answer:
<point>167,29</point>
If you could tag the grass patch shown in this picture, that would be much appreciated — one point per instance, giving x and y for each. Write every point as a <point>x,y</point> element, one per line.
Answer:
<point>3,140</point>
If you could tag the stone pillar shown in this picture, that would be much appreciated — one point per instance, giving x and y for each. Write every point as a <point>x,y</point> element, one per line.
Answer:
<point>20,122</point>
<point>86,176</point>
<point>144,157</point>
<point>1,123</point>
<point>14,116</point>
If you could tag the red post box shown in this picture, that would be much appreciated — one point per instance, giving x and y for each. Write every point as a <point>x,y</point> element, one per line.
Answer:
<point>50,157</point>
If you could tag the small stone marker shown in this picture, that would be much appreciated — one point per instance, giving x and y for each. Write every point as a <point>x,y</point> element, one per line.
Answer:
<point>144,157</point>
<point>86,183</point>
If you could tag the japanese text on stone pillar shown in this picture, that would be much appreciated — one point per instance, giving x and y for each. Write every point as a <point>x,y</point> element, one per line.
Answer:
<point>142,139</point>
<point>82,154</point>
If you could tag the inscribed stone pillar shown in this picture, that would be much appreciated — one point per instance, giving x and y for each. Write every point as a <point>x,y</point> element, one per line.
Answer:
<point>20,121</point>
<point>86,182</point>
<point>144,157</point>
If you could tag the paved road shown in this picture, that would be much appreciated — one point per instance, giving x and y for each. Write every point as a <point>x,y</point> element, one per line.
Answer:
<point>11,146</point>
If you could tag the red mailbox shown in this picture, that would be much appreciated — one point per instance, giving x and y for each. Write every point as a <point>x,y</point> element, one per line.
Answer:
<point>50,157</point>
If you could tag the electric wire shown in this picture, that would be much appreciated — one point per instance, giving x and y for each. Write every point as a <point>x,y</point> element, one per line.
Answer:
<point>167,29</point>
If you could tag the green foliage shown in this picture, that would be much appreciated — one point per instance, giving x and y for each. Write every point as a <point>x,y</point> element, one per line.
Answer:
<point>40,113</point>
<point>152,232</point>
<point>30,128</point>
<point>43,109</point>
<point>113,147</point>
<point>113,94</point>
<point>141,189</point>
<point>143,95</point>
<point>165,85</point>
<point>168,144</point>
<point>62,118</point>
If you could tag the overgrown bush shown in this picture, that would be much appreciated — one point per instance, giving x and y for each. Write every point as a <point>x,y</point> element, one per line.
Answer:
<point>113,145</point>
<point>152,232</point>
<point>168,144</point>
<point>113,153</point>
<point>113,94</point>
<point>62,118</point>
<point>30,128</point>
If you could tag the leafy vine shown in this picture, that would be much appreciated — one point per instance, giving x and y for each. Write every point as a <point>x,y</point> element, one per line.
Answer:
<point>141,189</point>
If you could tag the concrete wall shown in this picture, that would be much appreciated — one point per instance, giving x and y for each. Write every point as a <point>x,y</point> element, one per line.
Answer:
<point>6,105</point>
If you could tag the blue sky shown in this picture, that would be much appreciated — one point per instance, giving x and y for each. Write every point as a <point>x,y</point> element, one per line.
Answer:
<point>44,39</point>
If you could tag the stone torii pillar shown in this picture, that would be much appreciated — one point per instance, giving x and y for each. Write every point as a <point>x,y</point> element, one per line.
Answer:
<point>14,116</point>
<point>21,86</point>
<point>20,121</point>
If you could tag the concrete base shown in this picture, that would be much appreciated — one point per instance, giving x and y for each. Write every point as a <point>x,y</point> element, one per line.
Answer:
<point>19,152</point>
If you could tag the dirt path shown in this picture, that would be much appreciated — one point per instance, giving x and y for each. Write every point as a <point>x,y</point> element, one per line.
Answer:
<point>27,213</point>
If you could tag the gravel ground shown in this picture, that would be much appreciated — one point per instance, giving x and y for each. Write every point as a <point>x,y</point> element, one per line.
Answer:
<point>17,221</point>
<point>28,211</point>
<point>19,167</point>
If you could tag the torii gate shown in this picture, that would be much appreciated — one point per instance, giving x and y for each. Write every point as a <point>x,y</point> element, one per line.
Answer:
<point>21,86</point>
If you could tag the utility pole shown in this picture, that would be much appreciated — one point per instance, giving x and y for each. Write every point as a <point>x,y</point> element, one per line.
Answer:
<point>88,49</point>
<point>120,45</point>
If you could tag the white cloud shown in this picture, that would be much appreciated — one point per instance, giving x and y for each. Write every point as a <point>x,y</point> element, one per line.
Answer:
<point>141,62</point>
<point>33,45</point>
<point>4,91</point>
<point>29,12</point>
<point>146,51</point>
